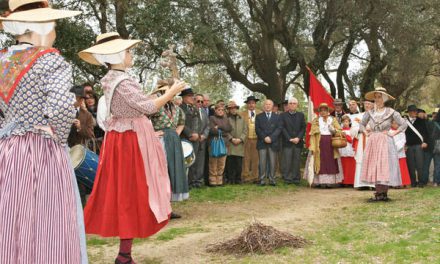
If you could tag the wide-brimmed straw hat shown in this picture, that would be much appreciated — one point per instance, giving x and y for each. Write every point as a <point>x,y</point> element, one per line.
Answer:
<point>106,44</point>
<point>324,105</point>
<point>38,14</point>
<point>370,95</point>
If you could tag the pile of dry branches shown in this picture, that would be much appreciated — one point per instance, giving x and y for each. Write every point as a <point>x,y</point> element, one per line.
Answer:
<point>258,238</point>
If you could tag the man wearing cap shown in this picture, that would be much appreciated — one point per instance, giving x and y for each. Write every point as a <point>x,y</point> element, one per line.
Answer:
<point>416,141</point>
<point>268,130</point>
<point>339,109</point>
<point>250,163</point>
<point>82,128</point>
<point>234,161</point>
<point>293,131</point>
<point>191,131</point>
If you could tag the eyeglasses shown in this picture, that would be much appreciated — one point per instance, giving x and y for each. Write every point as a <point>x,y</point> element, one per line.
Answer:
<point>199,101</point>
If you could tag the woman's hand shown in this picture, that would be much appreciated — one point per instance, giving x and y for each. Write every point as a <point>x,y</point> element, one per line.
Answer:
<point>177,87</point>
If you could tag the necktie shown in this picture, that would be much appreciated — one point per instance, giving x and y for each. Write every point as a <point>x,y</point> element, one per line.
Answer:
<point>252,114</point>
<point>268,115</point>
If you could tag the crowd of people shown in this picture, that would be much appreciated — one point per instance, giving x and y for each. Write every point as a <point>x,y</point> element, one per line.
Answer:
<point>153,148</point>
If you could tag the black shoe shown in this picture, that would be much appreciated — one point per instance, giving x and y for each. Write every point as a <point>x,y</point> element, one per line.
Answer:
<point>261,184</point>
<point>175,216</point>
<point>272,184</point>
<point>126,256</point>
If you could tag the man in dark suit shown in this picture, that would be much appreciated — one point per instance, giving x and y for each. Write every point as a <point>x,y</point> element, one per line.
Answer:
<point>293,130</point>
<point>191,131</point>
<point>416,141</point>
<point>199,164</point>
<point>268,129</point>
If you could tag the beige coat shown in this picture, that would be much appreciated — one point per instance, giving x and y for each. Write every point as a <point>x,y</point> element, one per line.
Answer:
<point>315,137</point>
<point>239,130</point>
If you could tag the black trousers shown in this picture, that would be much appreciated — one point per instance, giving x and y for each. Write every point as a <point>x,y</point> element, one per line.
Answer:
<point>234,165</point>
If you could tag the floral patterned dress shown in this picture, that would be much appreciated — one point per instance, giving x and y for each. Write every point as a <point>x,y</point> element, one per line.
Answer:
<point>40,211</point>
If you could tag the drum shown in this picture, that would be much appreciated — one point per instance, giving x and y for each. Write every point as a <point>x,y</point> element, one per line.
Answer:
<point>85,163</point>
<point>188,153</point>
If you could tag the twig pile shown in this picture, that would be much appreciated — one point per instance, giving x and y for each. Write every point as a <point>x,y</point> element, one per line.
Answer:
<point>258,238</point>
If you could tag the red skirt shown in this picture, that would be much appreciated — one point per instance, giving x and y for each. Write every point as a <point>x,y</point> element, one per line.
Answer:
<point>349,169</point>
<point>119,205</point>
<point>406,180</point>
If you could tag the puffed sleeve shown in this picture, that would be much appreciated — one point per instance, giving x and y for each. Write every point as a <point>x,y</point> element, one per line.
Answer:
<point>181,117</point>
<point>400,121</point>
<point>59,110</point>
<point>364,122</point>
<point>131,91</point>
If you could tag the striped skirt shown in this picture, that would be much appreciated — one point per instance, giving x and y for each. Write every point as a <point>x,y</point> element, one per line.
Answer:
<point>39,214</point>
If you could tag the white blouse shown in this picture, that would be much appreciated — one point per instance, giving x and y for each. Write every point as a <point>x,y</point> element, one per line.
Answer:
<point>324,127</point>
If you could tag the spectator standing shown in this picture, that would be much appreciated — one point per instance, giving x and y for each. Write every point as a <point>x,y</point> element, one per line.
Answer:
<point>416,141</point>
<point>234,161</point>
<point>250,162</point>
<point>191,131</point>
<point>436,139</point>
<point>428,152</point>
<point>268,130</point>
<point>199,165</point>
<point>293,131</point>
<point>82,128</point>
<point>339,110</point>
<point>218,122</point>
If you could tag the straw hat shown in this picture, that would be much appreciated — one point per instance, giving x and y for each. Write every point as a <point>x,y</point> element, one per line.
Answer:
<point>370,95</point>
<point>106,44</point>
<point>324,105</point>
<point>37,14</point>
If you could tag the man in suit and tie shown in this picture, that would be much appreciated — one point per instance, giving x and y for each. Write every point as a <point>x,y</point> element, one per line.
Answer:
<point>250,163</point>
<point>268,129</point>
<point>199,164</point>
<point>293,130</point>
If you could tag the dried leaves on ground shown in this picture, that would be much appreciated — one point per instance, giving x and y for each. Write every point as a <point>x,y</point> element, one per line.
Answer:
<point>258,238</point>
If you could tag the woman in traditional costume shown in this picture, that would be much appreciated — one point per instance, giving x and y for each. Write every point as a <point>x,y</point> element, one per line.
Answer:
<point>347,153</point>
<point>131,194</point>
<point>169,121</point>
<point>381,164</point>
<point>326,164</point>
<point>40,212</point>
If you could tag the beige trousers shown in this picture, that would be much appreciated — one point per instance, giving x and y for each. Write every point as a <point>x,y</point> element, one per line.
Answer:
<point>250,163</point>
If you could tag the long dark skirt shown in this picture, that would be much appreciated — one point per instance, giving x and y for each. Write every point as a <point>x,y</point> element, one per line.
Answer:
<point>329,165</point>
<point>176,166</point>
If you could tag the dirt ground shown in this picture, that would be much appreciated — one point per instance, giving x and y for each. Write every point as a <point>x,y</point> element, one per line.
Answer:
<point>295,212</point>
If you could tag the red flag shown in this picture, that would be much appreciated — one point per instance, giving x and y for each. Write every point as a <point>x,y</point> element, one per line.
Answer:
<point>317,95</point>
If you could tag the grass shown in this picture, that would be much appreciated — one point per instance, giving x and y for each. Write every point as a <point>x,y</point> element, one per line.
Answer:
<point>229,193</point>
<point>406,230</point>
<point>175,232</point>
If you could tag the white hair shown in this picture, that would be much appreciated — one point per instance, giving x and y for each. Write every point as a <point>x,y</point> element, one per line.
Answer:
<point>293,100</point>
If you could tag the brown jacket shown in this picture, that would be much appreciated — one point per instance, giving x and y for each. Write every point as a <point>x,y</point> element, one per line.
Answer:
<point>251,126</point>
<point>86,132</point>
<point>239,130</point>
